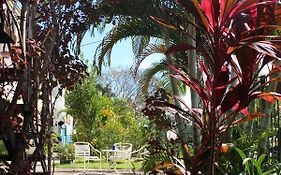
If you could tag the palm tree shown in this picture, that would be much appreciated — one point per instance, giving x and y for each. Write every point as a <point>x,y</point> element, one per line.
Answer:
<point>141,28</point>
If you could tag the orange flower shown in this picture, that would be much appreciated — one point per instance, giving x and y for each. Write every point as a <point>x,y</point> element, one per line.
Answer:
<point>224,148</point>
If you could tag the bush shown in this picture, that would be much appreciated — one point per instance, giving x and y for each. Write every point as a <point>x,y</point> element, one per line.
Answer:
<point>66,153</point>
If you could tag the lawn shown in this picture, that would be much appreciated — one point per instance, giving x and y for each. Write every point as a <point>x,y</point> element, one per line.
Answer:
<point>104,165</point>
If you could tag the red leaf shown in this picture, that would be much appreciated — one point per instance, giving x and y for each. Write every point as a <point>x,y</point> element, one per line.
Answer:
<point>221,84</point>
<point>243,6</point>
<point>243,111</point>
<point>191,82</point>
<point>249,118</point>
<point>225,6</point>
<point>224,148</point>
<point>230,99</point>
<point>265,47</point>
<point>205,75</point>
<point>239,94</point>
<point>207,7</point>
<point>270,97</point>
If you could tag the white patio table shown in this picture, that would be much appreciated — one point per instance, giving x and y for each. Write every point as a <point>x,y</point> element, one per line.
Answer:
<point>109,152</point>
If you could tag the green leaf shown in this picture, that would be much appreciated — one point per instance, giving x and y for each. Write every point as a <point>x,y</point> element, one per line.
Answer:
<point>241,153</point>
<point>257,163</point>
<point>261,158</point>
<point>245,160</point>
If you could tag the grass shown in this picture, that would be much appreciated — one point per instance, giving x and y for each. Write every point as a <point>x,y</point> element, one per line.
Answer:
<point>95,165</point>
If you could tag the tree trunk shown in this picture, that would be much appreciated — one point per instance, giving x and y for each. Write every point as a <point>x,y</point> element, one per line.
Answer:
<point>193,72</point>
<point>249,126</point>
<point>181,123</point>
<point>265,122</point>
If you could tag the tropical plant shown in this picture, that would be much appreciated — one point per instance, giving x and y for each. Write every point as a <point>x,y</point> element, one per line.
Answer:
<point>254,165</point>
<point>237,42</point>
<point>230,161</point>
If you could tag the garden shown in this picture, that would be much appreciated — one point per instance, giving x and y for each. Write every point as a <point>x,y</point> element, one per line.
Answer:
<point>209,106</point>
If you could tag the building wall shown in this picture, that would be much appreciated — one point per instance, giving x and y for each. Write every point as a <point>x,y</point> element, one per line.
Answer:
<point>65,131</point>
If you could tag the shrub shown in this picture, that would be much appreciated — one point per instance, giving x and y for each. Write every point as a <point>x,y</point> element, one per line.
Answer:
<point>66,153</point>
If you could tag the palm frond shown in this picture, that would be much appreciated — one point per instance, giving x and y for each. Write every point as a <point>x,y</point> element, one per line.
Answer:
<point>150,50</point>
<point>122,31</point>
<point>139,43</point>
<point>153,159</point>
<point>148,75</point>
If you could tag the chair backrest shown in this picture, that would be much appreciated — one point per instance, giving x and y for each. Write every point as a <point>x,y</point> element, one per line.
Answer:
<point>124,150</point>
<point>82,149</point>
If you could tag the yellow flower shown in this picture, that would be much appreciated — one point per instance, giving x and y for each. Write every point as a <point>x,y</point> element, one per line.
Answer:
<point>107,112</point>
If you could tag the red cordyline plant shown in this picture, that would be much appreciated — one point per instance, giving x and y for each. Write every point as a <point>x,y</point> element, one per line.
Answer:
<point>239,43</point>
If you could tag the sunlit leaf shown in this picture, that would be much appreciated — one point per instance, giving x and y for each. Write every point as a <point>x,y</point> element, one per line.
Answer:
<point>249,117</point>
<point>269,97</point>
<point>168,168</point>
<point>246,160</point>
<point>225,6</point>
<point>243,111</point>
<point>265,47</point>
<point>163,23</point>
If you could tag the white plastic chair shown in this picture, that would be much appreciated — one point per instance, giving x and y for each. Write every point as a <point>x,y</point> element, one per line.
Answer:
<point>123,151</point>
<point>86,151</point>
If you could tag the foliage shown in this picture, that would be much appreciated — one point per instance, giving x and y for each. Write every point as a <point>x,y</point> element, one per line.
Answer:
<point>3,150</point>
<point>104,121</point>
<point>237,46</point>
<point>160,150</point>
<point>253,165</point>
<point>66,153</point>
<point>87,106</point>
<point>160,145</point>
<point>230,162</point>
<point>36,62</point>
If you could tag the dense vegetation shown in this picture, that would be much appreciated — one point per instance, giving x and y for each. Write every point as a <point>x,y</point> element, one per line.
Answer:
<point>224,53</point>
<point>104,120</point>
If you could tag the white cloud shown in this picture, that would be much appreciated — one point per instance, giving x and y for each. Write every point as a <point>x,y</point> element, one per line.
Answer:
<point>145,65</point>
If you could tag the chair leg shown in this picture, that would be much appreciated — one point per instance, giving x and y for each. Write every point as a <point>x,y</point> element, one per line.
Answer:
<point>115,163</point>
<point>129,165</point>
<point>84,165</point>
<point>74,163</point>
<point>88,162</point>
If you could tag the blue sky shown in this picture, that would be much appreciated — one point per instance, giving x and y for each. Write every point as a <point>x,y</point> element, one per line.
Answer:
<point>122,54</point>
